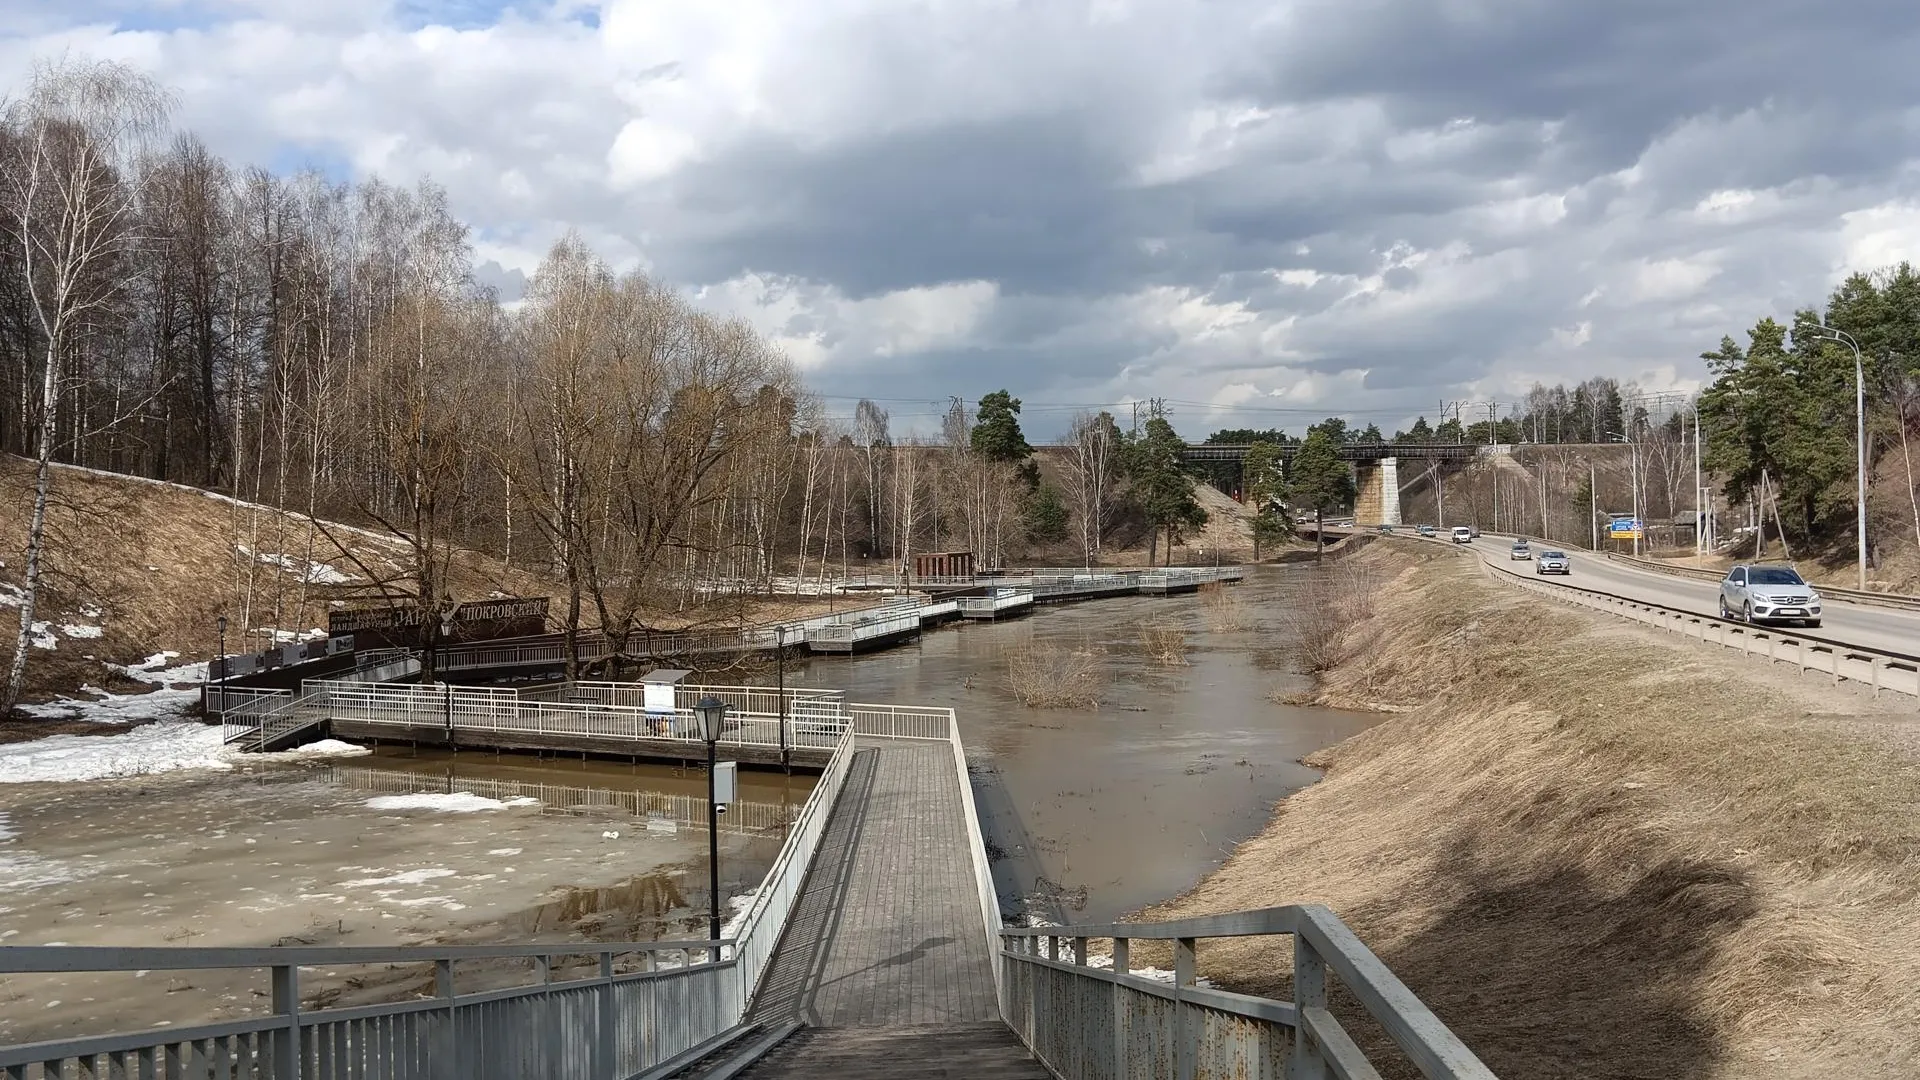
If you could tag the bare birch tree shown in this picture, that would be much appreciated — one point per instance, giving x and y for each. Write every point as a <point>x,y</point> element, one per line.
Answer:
<point>1093,467</point>
<point>71,200</point>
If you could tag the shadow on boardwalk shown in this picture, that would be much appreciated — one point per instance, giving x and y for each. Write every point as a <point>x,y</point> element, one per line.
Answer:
<point>887,931</point>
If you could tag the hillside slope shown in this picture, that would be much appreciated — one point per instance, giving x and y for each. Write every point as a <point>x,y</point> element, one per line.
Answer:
<point>136,567</point>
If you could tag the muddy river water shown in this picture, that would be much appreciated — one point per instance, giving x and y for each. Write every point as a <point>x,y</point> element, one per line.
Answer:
<point>1095,812</point>
<point>1090,812</point>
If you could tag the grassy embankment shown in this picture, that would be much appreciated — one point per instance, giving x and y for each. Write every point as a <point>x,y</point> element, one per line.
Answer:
<point>1598,852</point>
<point>141,567</point>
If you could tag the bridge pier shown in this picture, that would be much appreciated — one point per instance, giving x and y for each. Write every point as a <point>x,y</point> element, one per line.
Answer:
<point>1378,499</point>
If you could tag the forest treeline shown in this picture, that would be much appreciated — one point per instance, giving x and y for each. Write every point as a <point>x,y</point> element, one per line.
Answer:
<point>325,347</point>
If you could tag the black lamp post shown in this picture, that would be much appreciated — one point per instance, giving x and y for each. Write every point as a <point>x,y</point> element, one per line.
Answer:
<point>222,624</point>
<point>780,691</point>
<point>711,713</point>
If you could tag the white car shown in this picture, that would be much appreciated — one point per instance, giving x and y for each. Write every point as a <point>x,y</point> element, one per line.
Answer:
<point>1759,594</point>
<point>1519,551</point>
<point>1553,562</point>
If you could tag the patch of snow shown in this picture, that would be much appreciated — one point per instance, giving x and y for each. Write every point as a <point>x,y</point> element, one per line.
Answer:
<point>405,877</point>
<point>506,851</point>
<point>455,802</point>
<point>78,630</point>
<point>91,611</point>
<point>42,636</point>
<point>313,573</point>
<point>118,708</point>
<point>324,750</point>
<point>1159,975</point>
<point>12,595</point>
<point>737,908</point>
<point>154,670</point>
<point>153,748</point>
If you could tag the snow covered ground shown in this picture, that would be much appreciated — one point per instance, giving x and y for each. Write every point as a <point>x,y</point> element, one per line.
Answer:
<point>143,751</point>
<point>160,704</point>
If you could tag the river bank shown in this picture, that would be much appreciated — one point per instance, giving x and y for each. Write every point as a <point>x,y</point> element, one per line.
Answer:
<point>1596,851</point>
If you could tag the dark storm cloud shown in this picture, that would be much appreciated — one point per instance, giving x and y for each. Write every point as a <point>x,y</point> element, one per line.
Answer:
<point>1029,202</point>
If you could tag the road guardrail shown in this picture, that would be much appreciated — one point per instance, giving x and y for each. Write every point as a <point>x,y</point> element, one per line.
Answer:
<point>1880,669</point>
<point>1900,601</point>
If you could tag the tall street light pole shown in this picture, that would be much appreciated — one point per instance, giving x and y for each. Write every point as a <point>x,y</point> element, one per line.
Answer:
<point>1699,491</point>
<point>1633,452</point>
<point>712,713</point>
<point>1860,438</point>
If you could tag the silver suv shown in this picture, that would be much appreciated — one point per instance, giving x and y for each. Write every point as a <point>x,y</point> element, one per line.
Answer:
<point>1758,594</point>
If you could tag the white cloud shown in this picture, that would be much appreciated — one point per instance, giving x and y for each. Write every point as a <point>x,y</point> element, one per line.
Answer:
<point>1879,236</point>
<point>1159,174</point>
<point>817,324</point>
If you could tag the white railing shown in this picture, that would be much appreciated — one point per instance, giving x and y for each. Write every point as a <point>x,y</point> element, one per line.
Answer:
<point>902,721</point>
<point>759,932</point>
<point>868,628</point>
<point>243,711</point>
<point>1003,600</point>
<point>989,897</point>
<point>815,718</point>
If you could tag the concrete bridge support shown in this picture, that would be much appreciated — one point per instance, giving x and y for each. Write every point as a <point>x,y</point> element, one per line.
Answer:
<point>1378,502</point>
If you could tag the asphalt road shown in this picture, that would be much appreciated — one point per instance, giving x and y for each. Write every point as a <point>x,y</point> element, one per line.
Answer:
<point>1885,629</point>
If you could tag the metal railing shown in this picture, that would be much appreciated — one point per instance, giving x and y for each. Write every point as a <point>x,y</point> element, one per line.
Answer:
<point>765,919</point>
<point>902,722</point>
<point>638,1005</point>
<point>242,711</point>
<point>855,630</point>
<point>1875,668</point>
<point>814,721</point>
<point>1107,1023</point>
<point>1898,601</point>
<point>984,891</point>
<point>1003,600</point>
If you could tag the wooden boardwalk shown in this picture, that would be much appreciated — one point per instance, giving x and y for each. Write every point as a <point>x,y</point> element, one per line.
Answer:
<point>887,932</point>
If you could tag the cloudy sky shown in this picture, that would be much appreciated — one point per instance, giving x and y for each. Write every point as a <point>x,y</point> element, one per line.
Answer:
<point>1265,211</point>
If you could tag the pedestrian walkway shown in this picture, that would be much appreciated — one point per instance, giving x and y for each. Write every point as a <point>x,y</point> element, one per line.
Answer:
<point>888,929</point>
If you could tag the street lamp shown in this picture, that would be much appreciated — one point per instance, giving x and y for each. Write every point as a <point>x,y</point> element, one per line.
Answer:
<point>711,713</point>
<point>780,691</point>
<point>1860,436</point>
<point>1633,449</point>
<point>221,622</point>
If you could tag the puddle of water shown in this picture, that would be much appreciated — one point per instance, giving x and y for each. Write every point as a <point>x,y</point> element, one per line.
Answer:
<point>1101,811</point>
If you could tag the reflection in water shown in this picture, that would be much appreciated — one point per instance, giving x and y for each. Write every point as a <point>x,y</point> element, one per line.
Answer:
<point>663,804</point>
<point>1098,812</point>
<point>642,908</point>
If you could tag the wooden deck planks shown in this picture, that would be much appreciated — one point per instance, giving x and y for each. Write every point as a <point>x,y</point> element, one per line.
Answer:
<point>887,932</point>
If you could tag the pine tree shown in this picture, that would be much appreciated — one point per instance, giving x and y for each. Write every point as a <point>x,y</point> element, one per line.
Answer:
<point>1320,479</point>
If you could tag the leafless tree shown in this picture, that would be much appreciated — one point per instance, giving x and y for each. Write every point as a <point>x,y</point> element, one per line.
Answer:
<point>72,195</point>
<point>1092,471</point>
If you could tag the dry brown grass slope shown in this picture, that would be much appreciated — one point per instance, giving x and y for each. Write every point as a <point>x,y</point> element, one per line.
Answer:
<point>160,562</point>
<point>1597,852</point>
